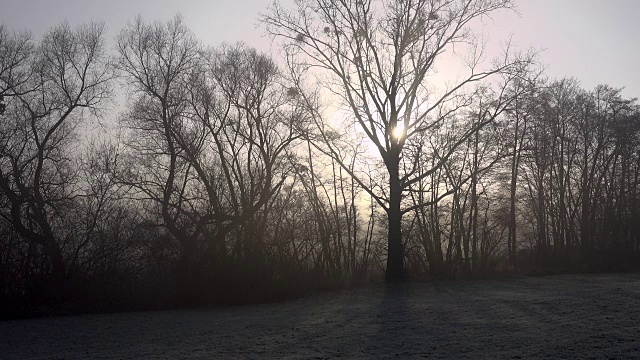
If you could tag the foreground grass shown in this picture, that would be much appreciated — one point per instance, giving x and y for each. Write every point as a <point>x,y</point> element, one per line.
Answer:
<point>574,316</point>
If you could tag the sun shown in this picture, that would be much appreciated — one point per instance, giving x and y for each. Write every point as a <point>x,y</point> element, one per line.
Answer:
<point>398,132</point>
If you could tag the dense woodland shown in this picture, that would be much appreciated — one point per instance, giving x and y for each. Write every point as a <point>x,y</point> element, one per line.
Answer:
<point>227,175</point>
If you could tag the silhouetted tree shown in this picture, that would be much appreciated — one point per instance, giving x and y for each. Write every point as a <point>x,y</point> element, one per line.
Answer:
<point>51,87</point>
<point>210,133</point>
<point>381,56</point>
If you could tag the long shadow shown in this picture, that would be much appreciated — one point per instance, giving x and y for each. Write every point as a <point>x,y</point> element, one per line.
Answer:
<point>402,322</point>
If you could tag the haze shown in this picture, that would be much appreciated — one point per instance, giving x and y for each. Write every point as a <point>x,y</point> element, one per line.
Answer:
<point>592,40</point>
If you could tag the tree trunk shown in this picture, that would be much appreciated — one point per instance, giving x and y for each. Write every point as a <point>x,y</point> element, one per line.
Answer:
<point>56,284</point>
<point>515,163</point>
<point>395,256</point>
<point>512,222</point>
<point>186,283</point>
<point>474,208</point>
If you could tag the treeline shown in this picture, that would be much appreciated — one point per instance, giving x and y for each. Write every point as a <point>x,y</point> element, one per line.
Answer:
<point>551,186</point>
<point>201,193</point>
<point>222,182</point>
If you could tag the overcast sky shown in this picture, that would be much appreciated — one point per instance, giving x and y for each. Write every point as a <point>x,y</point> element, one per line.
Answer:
<point>595,41</point>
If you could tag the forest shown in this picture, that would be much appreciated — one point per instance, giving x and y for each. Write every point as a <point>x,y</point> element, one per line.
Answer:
<point>152,170</point>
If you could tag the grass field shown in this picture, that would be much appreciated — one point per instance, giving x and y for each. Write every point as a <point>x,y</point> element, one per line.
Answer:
<point>585,316</point>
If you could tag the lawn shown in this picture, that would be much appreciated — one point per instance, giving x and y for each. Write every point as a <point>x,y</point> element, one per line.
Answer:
<point>569,316</point>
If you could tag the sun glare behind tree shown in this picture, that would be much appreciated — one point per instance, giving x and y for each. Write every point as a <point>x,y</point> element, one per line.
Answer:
<point>398,132</point>
<point>383,77</point>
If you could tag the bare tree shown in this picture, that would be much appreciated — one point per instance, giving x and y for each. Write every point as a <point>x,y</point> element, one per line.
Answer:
<point>157,61</point>
<point>50,91</point>
<point>381,55</point>
<point>210,131</point>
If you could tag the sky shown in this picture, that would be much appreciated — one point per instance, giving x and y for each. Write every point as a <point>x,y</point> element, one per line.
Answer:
<point>595,41</point>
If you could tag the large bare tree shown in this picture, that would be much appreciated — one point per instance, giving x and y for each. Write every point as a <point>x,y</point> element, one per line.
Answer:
<point>50,88</point>
<point>378,57</point>
<point>210,131</point>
